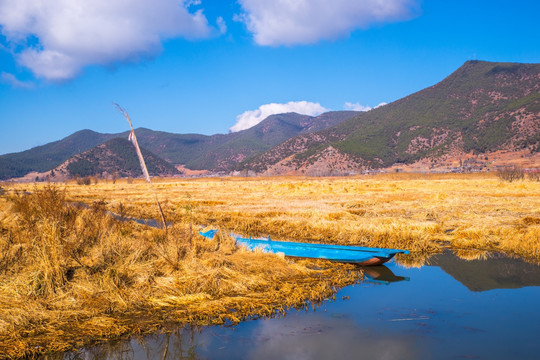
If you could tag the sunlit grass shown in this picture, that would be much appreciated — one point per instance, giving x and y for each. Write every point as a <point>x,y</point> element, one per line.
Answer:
<point>69,274</point>
<point>417,212</point>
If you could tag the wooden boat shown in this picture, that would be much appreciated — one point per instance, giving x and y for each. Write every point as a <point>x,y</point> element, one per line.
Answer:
<point>364,256</point>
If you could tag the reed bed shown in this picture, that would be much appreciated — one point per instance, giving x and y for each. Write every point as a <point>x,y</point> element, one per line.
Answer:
<point>71,275</point>
<point>418,212</point>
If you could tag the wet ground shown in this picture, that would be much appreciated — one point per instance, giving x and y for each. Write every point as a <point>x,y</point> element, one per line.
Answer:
<point>450,309</point>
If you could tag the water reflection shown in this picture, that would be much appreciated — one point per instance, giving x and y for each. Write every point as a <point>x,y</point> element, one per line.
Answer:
<point>412,260</point>
<point>318,337</point>
<point>382,275</point>
<point>432,315</point>
<point>181,344</point>
<point>488,271</point>
<point>321,337</point>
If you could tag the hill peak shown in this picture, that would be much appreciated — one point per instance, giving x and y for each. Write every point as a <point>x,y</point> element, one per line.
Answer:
<point>482,107</point>
<point>114,158</point>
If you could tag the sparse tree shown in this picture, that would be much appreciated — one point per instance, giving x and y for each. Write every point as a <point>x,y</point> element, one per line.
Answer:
<point>510,173</point>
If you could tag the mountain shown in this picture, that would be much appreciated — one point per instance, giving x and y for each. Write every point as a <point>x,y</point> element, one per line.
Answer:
<point>482,111</point>
<point>46,157</point>
<point>221,152</point>
<point>482,107</point>
<point>114,158</point>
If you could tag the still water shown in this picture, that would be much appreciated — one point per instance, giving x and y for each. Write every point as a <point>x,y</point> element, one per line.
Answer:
<point>449,309</point>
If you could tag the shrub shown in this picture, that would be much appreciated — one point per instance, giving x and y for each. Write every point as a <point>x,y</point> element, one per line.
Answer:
<point>510,173</point>
<point>84,180</point>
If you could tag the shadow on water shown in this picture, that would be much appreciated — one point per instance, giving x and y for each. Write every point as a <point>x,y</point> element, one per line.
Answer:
<point>492,271</point>
<point>382,275</point>
<point>485,308</point>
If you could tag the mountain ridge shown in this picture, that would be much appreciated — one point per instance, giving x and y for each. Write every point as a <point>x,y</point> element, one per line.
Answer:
<point>482,107</point>
<point>45,157</point>
<point>481,110</point>
<point>114,158</point>
<point>219,152</point>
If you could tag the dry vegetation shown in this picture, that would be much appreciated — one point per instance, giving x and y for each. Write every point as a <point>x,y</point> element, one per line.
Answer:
<point>70,275</point>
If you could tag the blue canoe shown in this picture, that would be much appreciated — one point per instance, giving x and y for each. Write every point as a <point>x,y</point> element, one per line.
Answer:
<point>348,254</point>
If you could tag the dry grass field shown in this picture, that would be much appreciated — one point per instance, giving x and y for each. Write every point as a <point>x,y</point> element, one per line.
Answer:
<point>72,274</point>
<point>418,212</point>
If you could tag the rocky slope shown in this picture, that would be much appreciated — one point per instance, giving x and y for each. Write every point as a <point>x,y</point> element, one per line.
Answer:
<point>112,159</point>
<point>481,108</point>
<point>220,152</point>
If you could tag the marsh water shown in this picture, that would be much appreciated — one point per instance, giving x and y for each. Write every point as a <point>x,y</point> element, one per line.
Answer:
<point>449,309</point>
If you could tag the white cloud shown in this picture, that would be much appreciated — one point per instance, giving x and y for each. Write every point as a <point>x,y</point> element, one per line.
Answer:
<point>251,118</point>
<point>356,107</point>
<point>289,22</point>
<point>60,37</point>
<point>222,26</point>
<point>359,107</point>
<point>10,79</point>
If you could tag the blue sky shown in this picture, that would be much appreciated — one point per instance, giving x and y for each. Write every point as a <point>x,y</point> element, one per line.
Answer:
<point>208,66</point>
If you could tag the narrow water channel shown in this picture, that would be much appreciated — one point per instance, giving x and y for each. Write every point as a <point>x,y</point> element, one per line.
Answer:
<point>450,309</point>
